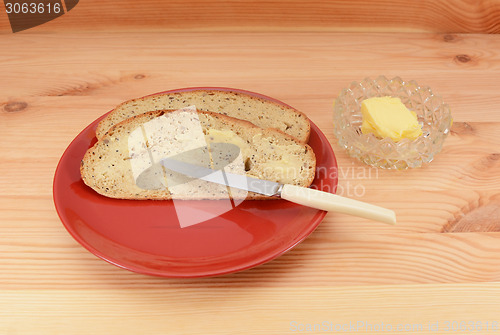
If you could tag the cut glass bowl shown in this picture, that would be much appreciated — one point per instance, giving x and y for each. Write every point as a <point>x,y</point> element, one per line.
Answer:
<point>433,115</point>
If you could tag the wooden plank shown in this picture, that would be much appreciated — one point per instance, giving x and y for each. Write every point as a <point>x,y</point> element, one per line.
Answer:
<point>307,70</point>
<point>278,15</point>
<point>329,257</point>
<point>430,309</point>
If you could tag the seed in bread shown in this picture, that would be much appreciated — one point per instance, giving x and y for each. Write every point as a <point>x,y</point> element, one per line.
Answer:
<point>262,113</point>
<point>265,153</point>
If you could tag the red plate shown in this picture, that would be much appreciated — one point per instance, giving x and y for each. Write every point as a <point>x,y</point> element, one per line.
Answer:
<point>144,236</point>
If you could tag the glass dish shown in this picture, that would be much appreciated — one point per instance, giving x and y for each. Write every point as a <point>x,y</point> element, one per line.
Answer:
<point>433,115</point>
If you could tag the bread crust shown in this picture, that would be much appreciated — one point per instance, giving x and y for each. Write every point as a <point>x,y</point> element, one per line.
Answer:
<point>286,118</point>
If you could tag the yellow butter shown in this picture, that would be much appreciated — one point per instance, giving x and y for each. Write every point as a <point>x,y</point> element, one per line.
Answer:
<point>227,136</point>
<point>284,170</point>
<point>389,117</point>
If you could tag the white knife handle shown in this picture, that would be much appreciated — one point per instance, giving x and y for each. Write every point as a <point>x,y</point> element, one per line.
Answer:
<point>332,202</point>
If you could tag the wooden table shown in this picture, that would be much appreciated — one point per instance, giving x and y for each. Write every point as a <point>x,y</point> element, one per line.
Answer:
<point>438,267</point>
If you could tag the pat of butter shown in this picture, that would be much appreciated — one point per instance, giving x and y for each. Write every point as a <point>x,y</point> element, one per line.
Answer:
<point>389,117</point>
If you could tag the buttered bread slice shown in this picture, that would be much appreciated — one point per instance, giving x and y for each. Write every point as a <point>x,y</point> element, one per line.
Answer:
<point>124,163</point>
<point>260,112</point>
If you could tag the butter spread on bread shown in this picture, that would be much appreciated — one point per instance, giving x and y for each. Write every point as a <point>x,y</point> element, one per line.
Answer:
<point>268,154</point>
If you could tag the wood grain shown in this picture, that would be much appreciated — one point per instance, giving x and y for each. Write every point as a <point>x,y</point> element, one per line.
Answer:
<point>441,262</point>
<point>443,16</point>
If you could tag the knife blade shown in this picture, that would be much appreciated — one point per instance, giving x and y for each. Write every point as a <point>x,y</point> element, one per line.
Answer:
<point>297,194</point>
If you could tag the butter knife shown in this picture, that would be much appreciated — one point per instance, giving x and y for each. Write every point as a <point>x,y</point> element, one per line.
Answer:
<point>297,194</point>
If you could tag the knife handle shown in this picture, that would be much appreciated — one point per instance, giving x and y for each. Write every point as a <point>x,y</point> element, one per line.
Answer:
<point>332,202</point>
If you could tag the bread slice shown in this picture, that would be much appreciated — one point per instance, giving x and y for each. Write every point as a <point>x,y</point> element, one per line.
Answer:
<point>116,163</point>
<point>262,113</point>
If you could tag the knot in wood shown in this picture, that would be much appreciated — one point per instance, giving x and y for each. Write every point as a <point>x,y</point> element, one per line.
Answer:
<point>15,106</point>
